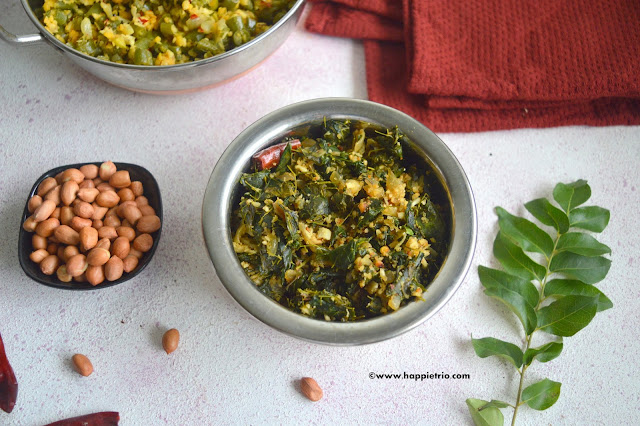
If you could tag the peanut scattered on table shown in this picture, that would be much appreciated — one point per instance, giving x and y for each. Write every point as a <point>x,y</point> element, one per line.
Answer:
<point>170,340</point>
<point>311,389</point>
<point>82,364</point>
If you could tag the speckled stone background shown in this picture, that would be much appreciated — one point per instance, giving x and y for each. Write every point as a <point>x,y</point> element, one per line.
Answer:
<point>230,368</point>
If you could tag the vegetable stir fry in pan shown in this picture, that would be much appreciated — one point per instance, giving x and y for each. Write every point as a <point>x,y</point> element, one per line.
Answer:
<point>347,225</point>
<point>159,32</point>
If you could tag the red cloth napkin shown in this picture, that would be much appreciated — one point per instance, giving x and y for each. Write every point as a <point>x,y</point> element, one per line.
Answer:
<point>474,65</point>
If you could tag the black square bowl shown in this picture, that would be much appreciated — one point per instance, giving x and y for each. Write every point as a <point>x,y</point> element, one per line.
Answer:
<point>151,191</point>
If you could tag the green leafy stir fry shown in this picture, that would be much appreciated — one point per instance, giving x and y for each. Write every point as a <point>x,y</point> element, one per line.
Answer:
<point>350,225</point>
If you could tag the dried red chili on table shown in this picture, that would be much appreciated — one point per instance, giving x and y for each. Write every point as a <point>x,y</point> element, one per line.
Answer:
<point>8,382</point>
<point>105,418</point>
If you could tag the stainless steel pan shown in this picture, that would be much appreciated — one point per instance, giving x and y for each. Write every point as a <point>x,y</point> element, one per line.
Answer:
<point>168,79</point>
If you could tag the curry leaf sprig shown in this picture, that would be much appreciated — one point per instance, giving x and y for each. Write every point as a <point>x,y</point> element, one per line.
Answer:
<point>550,290</point>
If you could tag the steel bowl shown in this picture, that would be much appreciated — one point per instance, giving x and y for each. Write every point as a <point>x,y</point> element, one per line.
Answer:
<point>223,191</point>
<point>168,79</point>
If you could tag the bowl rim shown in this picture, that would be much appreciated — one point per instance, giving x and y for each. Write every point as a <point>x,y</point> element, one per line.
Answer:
<point>51,280</point>
<point>269,130</point>
<point>200,62</point>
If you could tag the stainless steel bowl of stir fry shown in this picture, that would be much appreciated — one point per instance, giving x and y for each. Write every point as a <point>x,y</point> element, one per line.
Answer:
<point>339,221</point>
<point>162,46</point>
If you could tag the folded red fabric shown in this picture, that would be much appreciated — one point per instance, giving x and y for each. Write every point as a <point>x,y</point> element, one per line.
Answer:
<point>472,65</point>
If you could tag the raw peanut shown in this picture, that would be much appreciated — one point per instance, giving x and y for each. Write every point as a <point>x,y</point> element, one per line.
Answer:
<point>47,227</point>
<point>107,169</point>
<point>44,210</point>
<point>98,212</point>
<point>88,194</point>
<point>113,211</point>
<point>132,214</point>
<point>113,269</point>
<point>129,263</point>
<point>52,248</point>
<point>143,243</point>
<point>88,238</point>
<point>76,265</point>
<point>112,221</point>
<point>38,255</point>
<point>67,235</point>
<point>135,253</point>
<point>60,252</point>
<point>120,208</point>
<point>142,201</point>
<point>33,203</point>
<point>78,223</point>
<point>83,209</point>
<point>30,225</point>
<point>53,240</point>
<point>69,252</point>
<point>68,192</point>
<point>103,243</point>
<point>107,199</point>
<point>95,274</point>
<point>148,224</point>
<point>108,232</point>
<point>56,213</point>
<point>66,215</point>
<point>120,179</point>
<point>90,171</point>
<point>170,340</point>
<point>311,389</point>
<point>97,223</point>
<point>86,184</point>
<point>58,178</point>
<point>63,275</point>
<point>136,188</point>
<point>104,186</point>
<point>54,194</point>
<point>98,256</point>
<point>49,264</point>
<point>126,194</point>
<point>97,181</point>
<point>120,247</point>
<point>82,364</point>
<point>72,175</point>
<point>147,210</point>
<point>127,232</point>
<point>46,185</point>
<point>38,242</point>
<point>126,224</point>
<point>80,278</point>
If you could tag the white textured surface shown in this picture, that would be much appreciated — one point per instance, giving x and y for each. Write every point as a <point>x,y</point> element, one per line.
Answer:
<point>230,368</point>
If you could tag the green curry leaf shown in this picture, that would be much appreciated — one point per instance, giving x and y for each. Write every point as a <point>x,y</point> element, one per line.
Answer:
<point>541,395</point>
<point>544,353</point>
<point>526,234</point>
<point>514,260</point>
<point>548,214</point>
<point>490,346</point>
<point>566,316</point>
<point>491,416</point>
<point>560,287</point>
<point>571,195</point>
<point>591,218</point>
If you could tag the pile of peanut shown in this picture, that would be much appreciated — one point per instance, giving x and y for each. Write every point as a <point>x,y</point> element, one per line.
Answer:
<point>90,224</point>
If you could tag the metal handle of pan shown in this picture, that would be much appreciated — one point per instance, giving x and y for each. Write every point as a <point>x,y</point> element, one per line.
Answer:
<point>22,40</point>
